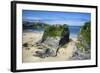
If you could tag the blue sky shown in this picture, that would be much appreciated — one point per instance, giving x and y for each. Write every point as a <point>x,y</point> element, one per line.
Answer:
<point>51,17</point>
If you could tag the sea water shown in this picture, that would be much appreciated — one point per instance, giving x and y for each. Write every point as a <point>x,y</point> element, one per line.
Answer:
<point>74,30</point>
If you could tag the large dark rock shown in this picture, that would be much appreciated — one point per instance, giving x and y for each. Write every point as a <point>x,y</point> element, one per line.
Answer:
<point>64,36</point>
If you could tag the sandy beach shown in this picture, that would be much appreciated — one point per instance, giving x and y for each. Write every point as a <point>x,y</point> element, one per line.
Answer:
<point>64,53</point>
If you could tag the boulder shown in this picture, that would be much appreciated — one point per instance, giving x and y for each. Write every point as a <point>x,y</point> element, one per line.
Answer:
<point>44,53</point>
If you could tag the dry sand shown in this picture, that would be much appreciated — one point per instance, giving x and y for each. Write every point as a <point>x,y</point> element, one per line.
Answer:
<point>27,55</point>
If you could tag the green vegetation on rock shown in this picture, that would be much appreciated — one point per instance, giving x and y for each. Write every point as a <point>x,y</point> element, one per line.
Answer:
<point>86,32</point>
<point>55,31</point>
<point>85,37</point>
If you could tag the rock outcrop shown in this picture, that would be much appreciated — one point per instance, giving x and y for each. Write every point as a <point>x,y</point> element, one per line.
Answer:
<point>53,38</point>
<point>85,37</point>
<point>83,47</point>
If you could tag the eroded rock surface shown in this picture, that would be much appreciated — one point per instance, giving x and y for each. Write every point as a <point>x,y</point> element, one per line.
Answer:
<point>53,38</point>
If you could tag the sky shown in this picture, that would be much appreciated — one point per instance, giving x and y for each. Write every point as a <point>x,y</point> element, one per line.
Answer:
<point>52,17</point>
